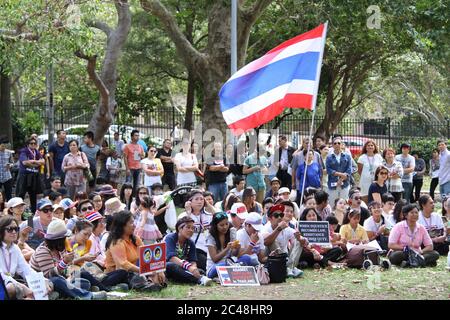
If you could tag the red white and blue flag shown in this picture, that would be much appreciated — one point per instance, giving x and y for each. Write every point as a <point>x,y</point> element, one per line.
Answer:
<point>285,77</point>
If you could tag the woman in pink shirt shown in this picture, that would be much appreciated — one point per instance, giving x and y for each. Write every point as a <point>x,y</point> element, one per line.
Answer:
<point>411,234</point>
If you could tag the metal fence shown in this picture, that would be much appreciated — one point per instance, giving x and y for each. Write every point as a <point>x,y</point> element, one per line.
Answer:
<point>160,123</point>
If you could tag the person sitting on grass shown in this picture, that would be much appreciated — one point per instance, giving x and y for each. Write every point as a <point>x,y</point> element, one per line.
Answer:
<point>181,255</point>
<point>122,256</point>
<point>432,221</point>
<point>278,235</point>
<point>397,215</point>
<point>376,226</point>
<point>84,207</point>
<point>238,213</point>
<point>80,244</point>
<point>352,232</point>
<point>251,239</point>
<point>98,227</point>
<point>315,255</point>
<point>411,235</point>
<point>222,244</point>
<point>388,202</point>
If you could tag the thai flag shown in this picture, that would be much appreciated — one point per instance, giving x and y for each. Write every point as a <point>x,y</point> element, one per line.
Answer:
<point>285,77</point>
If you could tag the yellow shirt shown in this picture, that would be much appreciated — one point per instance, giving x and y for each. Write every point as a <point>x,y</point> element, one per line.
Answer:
<point>348,233</point>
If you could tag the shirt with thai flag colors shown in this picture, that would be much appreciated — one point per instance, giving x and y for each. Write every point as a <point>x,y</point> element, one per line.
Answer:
<point>286,77</point>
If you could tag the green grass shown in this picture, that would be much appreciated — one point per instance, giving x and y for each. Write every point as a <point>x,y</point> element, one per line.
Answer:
<point>393,284</point>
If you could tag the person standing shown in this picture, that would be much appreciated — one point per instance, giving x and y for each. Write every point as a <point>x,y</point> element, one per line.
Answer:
<point>444,168</point>
<point>165,154</point>
<point>285,154</point>
<point>57,150</point>
<point>434,172</point>
<point>118,144</point>
<point>339,169</point>
<point>408,163</point>
<point>5,169</point>
<point>419,171</point>
<point>255,167</point>
<point>133,154</point>
<point>73,165</point>
<point>29,180</point>
<point>368,162</point>
<point>92,152</point>
<point>216,173</point>
<point>395,169</point>
<point>186,164</point>
<point>152,169</point>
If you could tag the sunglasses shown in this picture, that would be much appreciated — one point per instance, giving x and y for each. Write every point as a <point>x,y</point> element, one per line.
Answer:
<point>87,208</point>
<point>336,143</point>
<point>278,215</point>
<point>384,173</point>
<point>357,198</point>
<point>47,210</point>
<point>12,229</point>
<point>143,193</point>
<point>152,150</point>
<point>32,143</point>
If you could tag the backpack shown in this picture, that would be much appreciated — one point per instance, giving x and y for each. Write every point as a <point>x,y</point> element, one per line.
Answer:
<point>356,256</point>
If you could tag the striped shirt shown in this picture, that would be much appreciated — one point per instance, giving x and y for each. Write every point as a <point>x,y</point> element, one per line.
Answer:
<point>5,174</point>
<point>44,261</point>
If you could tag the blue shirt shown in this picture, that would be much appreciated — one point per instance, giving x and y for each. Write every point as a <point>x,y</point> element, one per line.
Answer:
<point>173,249</point>
<point>313,175</point>
<point>255,179</point>
<point>344,165</point>
<point>58,155</point>
<point>143,145</point>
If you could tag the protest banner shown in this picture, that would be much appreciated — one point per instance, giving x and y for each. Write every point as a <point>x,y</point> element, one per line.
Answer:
<point>237,276</point>
<point>317,232</point>
<point>152,258</point>
<point>36,282</point>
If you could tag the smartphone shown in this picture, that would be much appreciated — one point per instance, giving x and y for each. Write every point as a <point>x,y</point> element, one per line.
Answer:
<point>30,221</point>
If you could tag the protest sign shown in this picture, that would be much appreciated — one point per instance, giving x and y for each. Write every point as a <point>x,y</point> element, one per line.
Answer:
<point>237,276</point>
<point>317,232</point>
<point>152,258</point>
<point>36,282</point>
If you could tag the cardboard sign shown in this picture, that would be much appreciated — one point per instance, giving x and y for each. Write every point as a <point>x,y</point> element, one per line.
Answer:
<point>237,276</point>
<point>317,232</point>
<point>36,282</point>
<point>152,258</point>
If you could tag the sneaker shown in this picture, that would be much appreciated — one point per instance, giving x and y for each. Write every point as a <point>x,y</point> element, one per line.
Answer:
<point>297,273</point>
<point>120,287</point>
<point>205,281</point>
<point>95,289</point>
<point>290,273</point>
<point>101,295</point>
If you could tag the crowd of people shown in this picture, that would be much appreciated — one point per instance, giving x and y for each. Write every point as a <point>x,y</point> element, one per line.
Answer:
<point>90,208</point>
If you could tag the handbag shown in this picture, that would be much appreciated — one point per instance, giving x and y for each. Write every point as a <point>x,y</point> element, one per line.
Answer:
<point>415,259</point>
<point>263,274</point>
<point>86,171</point>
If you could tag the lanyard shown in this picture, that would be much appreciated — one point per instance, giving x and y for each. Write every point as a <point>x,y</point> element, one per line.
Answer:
<point>411,235</point>
<point>32,153</point>
<point>7,264</point>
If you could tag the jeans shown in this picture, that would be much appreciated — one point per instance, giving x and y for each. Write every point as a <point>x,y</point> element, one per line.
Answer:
<point>245,260</point>
<point>434,183</point>
<point>8,188</point>
<point>134,176</point>
<point>180,275</point>
<point>169,179</point>
<point>407,191</point>
<point>70,291</point>
<point>417,187</point>
<point>219,190</point>
<point>338,193</point>
<point>445,188</point>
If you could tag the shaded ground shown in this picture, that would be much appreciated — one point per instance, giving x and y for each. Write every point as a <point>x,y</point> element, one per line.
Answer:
<point>394,284</point>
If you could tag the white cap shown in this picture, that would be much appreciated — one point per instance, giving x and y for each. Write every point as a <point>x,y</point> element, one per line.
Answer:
<point>239,209</point>
<point>284,190</point>
<point>255,220</point>
<point>14,202</point>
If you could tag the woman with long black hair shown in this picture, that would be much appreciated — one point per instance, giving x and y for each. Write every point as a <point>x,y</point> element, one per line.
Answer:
<point>126,195</point>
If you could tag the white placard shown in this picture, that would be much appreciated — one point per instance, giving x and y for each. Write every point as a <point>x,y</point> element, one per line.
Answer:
<point>36,282</point>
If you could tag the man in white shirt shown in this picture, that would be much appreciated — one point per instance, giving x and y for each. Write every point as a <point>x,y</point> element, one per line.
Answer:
<point>251,239</point>
<point>237,215</point>
<point>277,235</point>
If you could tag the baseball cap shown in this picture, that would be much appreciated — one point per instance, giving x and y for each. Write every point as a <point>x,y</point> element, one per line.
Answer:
<point>284,190</point>
<point>239,209</point>
<point>405,145</point>
<point>44,203</point>
<point>66,203</point>
<point>13,202</point>
<point>276,208</point>
<point>255,220</point>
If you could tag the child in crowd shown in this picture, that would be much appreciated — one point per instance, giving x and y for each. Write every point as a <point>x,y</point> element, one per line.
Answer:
<point>113,165</point>
<point>146,227</point>
<point>352,231</point>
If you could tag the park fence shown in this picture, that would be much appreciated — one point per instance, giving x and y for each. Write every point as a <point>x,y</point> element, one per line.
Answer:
<point>159,124</point>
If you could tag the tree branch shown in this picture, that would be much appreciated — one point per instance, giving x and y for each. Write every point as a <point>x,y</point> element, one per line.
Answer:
<point>252,14</point>
<point>92,60</point>
<point>191,56</point>
<point>101,26</point>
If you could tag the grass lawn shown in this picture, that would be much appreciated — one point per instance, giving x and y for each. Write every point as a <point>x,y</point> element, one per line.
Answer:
<point>393,284</point>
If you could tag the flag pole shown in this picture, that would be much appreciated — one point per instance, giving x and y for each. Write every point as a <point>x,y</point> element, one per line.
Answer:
<point>316,90</point>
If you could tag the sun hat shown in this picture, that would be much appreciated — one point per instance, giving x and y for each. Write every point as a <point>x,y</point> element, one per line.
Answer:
<point>284,190</point>
<point>57,230</point>
<point>14,202</point>
<point>107,189</point>
<point>113,205</point>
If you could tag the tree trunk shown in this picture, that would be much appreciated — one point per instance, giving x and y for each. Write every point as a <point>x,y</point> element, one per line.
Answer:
<point>5,106</point>
<point>190,100</point>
